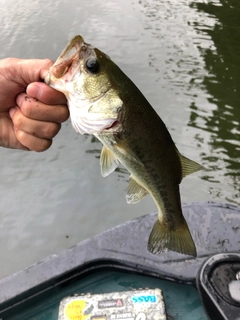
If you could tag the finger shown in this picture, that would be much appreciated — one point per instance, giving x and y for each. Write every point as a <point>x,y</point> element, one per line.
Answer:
<point>7,134</point>
<point>41,129</point>
<point>32,142</point>
<point>45,94</point>
<point>37,110</point>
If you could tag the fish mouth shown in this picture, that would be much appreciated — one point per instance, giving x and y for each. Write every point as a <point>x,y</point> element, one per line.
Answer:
<point>65,64</point>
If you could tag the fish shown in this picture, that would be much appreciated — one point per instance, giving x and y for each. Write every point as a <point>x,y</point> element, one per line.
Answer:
<point>103,101</point>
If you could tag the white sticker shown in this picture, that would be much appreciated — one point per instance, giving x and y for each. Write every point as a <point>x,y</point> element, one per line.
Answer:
<point>141,316</point>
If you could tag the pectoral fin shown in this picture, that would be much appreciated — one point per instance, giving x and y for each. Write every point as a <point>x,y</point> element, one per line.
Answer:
<point>128,153</point>
<point>189,166</point>
<point>108,162</point>
<point>135,192</point>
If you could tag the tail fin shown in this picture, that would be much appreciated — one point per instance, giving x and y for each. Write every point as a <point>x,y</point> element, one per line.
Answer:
<point>163,238</point>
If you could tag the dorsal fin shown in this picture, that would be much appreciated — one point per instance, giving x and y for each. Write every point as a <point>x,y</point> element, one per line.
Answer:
<point>135,192</point>
<point>108,162</point>
<point>189,166</point>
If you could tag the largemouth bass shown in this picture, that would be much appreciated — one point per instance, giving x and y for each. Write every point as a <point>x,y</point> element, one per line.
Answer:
<point>104,102</point>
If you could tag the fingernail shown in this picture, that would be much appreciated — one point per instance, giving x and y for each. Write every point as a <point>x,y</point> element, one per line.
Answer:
<point>20,98</point>
<point>12,111</point>
<point>34,90</point>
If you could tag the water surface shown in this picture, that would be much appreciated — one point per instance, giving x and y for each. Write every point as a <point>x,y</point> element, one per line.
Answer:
<point>184,57</point>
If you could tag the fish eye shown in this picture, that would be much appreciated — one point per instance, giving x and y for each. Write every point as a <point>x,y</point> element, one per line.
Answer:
<point>92,65</point>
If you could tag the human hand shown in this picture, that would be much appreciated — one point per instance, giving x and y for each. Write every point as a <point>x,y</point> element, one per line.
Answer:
<point>31,112</point>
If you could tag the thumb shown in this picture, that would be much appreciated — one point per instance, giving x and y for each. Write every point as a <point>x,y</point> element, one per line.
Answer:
<point>33,70</point>
<point>45,94</point>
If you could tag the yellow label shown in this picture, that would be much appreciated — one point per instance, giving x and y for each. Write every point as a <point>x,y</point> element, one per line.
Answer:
<point>75,310</point>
